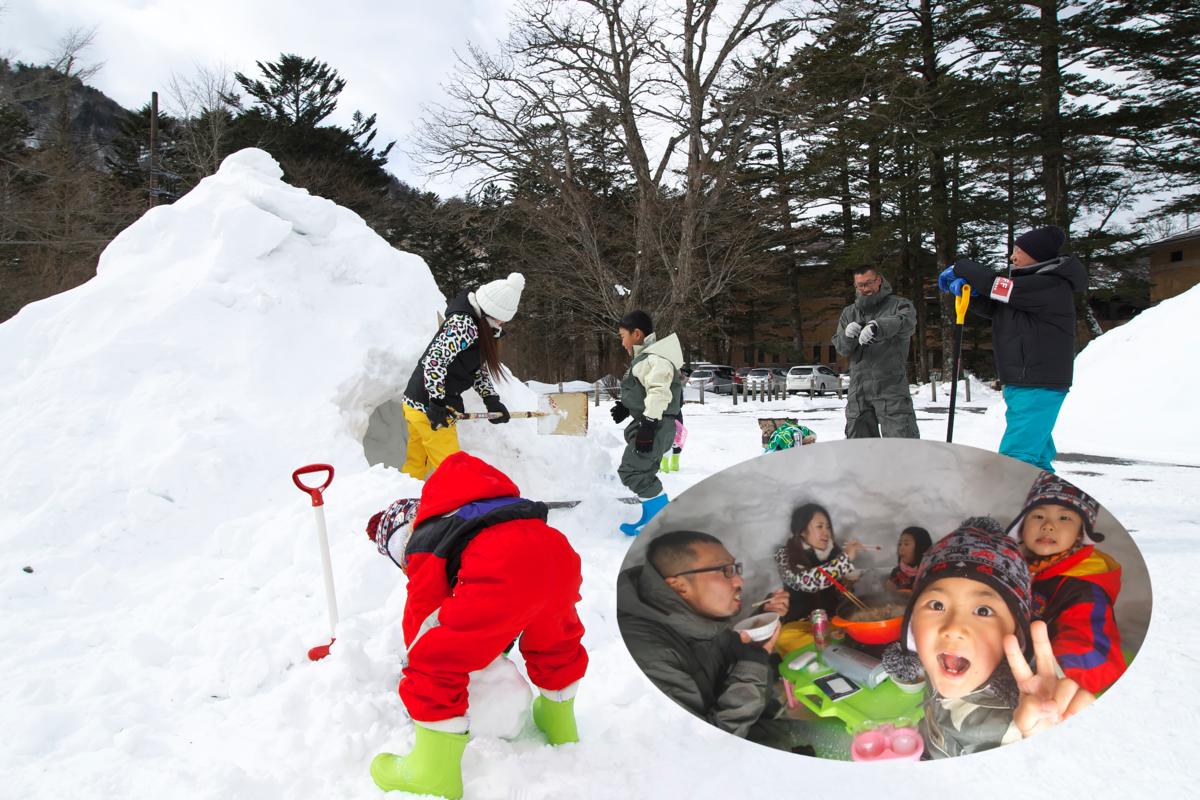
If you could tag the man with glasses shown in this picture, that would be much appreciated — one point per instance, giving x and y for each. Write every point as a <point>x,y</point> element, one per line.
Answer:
<point>675,613</point>
<point>873,332</point>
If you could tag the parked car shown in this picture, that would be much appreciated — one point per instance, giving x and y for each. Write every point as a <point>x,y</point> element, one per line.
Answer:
<point>712,379</point>
<point>813,379</point>
<point>764,378</point>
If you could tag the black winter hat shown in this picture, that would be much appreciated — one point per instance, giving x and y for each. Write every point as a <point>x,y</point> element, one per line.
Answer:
<point>978,550</point>
<point>1042,243</point>
<point>1048,489</point>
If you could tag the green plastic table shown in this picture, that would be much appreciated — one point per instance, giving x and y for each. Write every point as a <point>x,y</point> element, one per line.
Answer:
<point>887,702</point>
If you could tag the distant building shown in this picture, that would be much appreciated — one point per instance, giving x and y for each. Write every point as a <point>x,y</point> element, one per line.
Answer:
<point>1174,264</point>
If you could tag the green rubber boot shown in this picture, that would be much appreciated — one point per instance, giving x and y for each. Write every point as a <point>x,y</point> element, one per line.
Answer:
<point>556,720</point>
<point>674,462</point>
<point>665,466</point>
<point>433,767</point>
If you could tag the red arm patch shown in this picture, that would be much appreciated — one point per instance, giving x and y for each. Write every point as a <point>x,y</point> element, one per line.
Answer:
<point>1002,289</point>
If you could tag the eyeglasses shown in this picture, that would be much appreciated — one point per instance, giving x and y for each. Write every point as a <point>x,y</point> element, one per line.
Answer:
<point>866,284</point>
<point>727,570</point>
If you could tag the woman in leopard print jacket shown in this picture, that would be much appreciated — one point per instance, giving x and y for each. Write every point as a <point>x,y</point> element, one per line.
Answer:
<point>464,354</point>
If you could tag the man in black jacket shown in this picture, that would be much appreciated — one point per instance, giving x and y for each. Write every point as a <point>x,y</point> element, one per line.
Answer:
<point>675,613</point>
<point>1033,335</point>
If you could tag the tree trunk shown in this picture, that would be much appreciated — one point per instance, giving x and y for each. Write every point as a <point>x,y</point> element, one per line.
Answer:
<point>943,233</point>
<point>1054,178</point>
<point>793,258</point>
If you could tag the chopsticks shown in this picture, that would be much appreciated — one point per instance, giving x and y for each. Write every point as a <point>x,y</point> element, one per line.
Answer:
<point>849,594</point>
<point>765,600</point>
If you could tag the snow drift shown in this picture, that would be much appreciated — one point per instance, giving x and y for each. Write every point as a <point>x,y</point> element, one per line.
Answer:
<point>1134,388</point>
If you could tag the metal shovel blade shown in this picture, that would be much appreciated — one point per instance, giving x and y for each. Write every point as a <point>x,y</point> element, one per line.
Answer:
<point>565,414</point>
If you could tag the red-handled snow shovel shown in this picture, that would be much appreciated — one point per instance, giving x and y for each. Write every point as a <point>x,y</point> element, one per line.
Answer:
<point>319,652</point>
<point>960,312</point>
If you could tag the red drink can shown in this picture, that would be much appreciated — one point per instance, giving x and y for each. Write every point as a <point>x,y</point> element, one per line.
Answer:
<point>820,627</point>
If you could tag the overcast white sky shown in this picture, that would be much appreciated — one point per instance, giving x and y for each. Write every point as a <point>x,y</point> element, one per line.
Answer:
<point>393,55</point>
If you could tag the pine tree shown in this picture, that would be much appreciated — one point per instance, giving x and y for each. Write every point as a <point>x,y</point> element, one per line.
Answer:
<point>300,91</point>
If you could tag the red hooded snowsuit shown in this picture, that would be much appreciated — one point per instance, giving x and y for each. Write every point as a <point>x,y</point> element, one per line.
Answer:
<point>1075,598</point>
<point>485,562</point>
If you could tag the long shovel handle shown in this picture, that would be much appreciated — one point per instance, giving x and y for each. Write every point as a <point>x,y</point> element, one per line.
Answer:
<point>960,310</point>
<point>327,568</point>
<point>499,414</point>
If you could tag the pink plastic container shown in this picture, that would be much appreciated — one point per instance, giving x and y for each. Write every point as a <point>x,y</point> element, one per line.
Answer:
<point>887,743</point>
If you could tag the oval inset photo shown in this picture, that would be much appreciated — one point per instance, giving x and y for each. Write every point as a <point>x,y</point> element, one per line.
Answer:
<point>886,599</point>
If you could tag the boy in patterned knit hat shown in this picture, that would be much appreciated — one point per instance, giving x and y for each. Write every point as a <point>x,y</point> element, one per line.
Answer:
<point>1074,585</point>
<point>968,627</point>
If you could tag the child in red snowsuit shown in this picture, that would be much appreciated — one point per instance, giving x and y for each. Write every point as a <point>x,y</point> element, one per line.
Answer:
<point>483,568</point>
<point>1074,584</point>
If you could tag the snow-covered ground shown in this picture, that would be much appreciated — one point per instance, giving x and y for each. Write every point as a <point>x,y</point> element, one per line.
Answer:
<point>162,581</point>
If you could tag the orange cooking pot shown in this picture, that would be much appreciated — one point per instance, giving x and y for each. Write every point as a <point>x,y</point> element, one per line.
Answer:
<point>882,632</point>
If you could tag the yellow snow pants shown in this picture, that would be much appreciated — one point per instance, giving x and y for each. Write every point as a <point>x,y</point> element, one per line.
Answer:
<point>426,447</point>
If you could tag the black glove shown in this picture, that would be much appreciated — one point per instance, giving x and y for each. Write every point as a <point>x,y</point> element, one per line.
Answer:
<point>644,442</point>
<point>619,412</point>
<point>439,415</point>
<point>493,404</point>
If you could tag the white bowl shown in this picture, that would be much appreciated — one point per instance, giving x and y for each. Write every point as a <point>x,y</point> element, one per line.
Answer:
<point>760,626</point>
<point>911,688</point>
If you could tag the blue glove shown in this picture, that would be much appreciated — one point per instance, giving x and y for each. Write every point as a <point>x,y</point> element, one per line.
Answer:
<point>946,278</point>
<point>949,282</point>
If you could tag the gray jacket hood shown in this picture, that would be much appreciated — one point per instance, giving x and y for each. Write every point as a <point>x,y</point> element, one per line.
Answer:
<point>869,305</point>
<point>642,592</point>
<point>1067,267</point>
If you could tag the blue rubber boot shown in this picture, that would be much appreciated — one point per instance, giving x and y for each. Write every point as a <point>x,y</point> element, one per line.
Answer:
<point>649,509</point>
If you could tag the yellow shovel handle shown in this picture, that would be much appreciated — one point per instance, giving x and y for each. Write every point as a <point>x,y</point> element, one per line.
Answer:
<point>961,302</point>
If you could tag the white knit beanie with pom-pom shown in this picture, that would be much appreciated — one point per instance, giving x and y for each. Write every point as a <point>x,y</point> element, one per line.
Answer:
<point>499,299</point>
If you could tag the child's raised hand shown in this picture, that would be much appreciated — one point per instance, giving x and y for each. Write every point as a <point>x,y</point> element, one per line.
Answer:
<point>1046,699</point>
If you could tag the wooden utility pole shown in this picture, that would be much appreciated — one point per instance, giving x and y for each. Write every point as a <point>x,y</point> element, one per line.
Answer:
<point>153,140</point>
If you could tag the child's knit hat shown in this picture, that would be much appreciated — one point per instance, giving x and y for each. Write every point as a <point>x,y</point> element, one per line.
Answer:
<point>383,527</point>
<point>1048,488</point>
<point>977,550</point>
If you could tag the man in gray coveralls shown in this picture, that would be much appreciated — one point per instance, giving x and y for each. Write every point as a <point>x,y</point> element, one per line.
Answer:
<point>873,332</point>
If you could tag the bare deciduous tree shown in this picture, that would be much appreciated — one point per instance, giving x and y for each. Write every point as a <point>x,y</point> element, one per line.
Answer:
<point>665,71</point>
<point>202,105</point>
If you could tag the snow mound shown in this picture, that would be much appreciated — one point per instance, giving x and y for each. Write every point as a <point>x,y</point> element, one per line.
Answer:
<point>501,700</point>
<point>150,421</point>
<point>245,330</point>
<point>1133,386</point>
